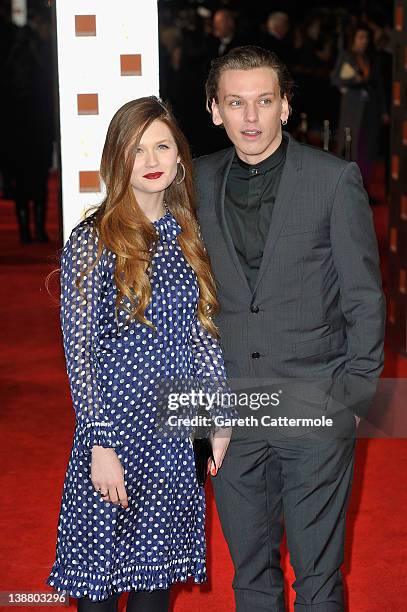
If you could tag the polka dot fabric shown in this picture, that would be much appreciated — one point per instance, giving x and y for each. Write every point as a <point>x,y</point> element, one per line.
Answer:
<point>113,366</point>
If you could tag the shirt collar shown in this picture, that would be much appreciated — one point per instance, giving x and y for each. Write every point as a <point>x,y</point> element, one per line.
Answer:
<point>267,164</point>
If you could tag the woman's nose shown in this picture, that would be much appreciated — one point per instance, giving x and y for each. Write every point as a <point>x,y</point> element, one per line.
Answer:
<point>151,159</point>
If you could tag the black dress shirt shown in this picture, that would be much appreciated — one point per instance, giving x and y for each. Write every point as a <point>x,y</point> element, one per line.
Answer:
<point>251,191</point>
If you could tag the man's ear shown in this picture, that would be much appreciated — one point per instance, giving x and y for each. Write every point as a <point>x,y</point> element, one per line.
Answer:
<point>216,118</point>
<point>285,109</point>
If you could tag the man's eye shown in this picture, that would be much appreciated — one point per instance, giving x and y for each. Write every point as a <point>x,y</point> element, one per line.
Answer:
<point>265,101</point>
<point>235,103</point>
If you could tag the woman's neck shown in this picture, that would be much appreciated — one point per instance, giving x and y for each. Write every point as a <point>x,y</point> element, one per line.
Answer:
<point>152,205</point>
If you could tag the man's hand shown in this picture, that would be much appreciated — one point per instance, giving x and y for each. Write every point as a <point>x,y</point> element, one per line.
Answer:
<point>107,475</point>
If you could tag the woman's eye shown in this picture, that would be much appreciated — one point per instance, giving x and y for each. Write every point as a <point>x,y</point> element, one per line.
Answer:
<point>162,146</point>
<point>138,150</point>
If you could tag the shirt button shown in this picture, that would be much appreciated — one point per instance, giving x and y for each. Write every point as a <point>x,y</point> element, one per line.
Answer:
<point>254,308</point>
<point>255,355</point>
<point>254,171</point>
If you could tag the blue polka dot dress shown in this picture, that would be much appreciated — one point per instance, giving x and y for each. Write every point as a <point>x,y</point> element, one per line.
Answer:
<point>113,365</point>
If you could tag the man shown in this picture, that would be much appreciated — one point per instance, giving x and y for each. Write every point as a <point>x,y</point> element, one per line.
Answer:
<point>29,132</point>
<point>277,36</point>
<point>289,232</point>
<point>224,36</point>
<point>8,34</point>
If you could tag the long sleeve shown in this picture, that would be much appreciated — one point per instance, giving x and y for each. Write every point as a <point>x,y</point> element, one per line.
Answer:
<point>356,260</point>
<point>210,372</point>
<point>80,312</point>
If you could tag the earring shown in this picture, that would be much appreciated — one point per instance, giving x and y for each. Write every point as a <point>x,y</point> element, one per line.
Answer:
<point>284,122</point>
<point>183,173</point>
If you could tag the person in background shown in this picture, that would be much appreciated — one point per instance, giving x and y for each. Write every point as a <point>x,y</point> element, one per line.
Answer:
<point>8,33</point>
<point>224,36</point>
<point>358,77</point>
<point>312,66</point>
<point>382,34</point>
<point>189,73</point>
<point>29,72</point>
<point>277,36</point>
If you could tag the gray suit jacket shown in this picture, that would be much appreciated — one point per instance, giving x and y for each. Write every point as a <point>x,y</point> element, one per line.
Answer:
<point>318,309</point>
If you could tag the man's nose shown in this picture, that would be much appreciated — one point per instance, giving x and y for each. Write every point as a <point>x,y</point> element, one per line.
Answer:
<point>251,112</point>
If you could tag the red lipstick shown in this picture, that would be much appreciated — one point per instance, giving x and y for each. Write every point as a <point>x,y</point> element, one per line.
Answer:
<point>153,175</point>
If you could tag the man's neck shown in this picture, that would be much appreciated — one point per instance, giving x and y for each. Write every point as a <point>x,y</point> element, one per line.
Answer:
<point>257,158</point>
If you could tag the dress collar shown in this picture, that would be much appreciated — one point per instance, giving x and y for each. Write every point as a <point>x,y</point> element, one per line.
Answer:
<point>167,226</point>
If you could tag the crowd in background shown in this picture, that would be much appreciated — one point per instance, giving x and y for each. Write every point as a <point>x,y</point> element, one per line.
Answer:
<point>27,115</point>
<point>340,58</point>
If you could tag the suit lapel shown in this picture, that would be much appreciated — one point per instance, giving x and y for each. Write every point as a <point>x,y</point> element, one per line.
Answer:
<point>219,190</point>
<point>288,183</point>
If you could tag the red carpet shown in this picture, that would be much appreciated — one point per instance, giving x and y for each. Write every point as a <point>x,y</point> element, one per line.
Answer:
<point>37,425</point>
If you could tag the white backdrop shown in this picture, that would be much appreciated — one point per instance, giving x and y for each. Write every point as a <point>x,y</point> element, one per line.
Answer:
<point>94,81</point>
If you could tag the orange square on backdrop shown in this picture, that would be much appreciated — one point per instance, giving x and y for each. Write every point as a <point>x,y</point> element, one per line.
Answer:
<point>85,25</point>
<point>130,65</point>
<point>403,207</point>
<point>88,104</point>
<point>404,132</point>
<point>89,181</point>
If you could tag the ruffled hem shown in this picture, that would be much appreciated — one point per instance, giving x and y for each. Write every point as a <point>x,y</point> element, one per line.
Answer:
<point>98,587</point>
<point>97,433</point>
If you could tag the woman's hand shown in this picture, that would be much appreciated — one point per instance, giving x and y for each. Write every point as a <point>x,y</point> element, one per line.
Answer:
<point>107,474</point>
<point>220,442</point>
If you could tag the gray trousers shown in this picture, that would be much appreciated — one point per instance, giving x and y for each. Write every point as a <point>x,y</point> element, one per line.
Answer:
<point>301,484</point>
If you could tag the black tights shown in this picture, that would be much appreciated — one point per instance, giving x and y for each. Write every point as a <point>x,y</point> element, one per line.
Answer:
<point>138,601</point>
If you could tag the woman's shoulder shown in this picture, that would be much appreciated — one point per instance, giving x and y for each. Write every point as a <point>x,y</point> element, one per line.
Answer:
<point>82,243</point>
<point>85,233</point>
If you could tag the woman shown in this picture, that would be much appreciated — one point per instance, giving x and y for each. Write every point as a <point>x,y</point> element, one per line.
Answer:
<point>358,76</point>
<point>137,299</point>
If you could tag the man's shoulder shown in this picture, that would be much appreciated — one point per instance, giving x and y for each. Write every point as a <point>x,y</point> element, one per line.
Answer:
<point>212,160</point>
<point>321,160</point>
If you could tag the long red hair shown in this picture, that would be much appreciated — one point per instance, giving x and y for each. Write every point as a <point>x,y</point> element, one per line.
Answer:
<point>125,230</point>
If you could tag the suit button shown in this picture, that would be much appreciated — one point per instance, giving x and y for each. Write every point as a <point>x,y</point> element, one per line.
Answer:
<point>254,309</point>
<point>255,355</point>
